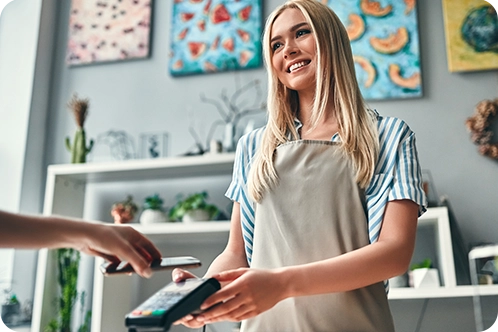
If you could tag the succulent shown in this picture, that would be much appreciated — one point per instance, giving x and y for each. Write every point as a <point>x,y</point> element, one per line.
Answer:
<point>124,211</point>
<point>192,202</point>
<point>153,202</point>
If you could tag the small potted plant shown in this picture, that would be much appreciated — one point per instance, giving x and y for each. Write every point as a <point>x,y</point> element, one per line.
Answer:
<point>193,208</point>
<point>124,212</point>
<point>153,211</point>
<point>11,309</point>
<point>423,275</point>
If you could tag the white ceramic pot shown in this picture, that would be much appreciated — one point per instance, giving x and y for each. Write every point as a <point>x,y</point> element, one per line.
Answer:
<point>425,277</point>
<point>150,216</point>
<point>196,215</point>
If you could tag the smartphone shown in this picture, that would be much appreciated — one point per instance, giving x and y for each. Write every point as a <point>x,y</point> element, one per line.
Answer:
<point>165,263</point>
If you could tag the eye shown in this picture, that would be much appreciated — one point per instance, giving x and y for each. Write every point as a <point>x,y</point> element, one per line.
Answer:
<point>276,46</point>
<point>302,32</point>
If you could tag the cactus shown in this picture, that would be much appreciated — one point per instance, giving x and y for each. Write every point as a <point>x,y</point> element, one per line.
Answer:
<point>78,149</point>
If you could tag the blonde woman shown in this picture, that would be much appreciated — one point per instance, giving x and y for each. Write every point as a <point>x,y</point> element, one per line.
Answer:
<point>326,195</point>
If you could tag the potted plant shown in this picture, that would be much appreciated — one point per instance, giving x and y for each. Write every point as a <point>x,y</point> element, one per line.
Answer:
<point>193,208</point>
<point>124,212</point>
<point>11,310</point>
<point>153,210</point>
<point>423,275</point>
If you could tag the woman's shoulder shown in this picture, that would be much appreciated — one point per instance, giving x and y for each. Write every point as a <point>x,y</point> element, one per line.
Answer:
<point>250,141</point>
<point>390,125</point>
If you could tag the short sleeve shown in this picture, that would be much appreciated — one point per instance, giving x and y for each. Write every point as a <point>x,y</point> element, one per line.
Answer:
<point>407,182</point>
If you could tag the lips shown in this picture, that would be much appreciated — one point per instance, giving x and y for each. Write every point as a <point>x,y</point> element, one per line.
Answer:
<point>297,65</point>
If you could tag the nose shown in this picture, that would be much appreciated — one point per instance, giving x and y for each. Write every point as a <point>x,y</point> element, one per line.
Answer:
<point>290,49</point>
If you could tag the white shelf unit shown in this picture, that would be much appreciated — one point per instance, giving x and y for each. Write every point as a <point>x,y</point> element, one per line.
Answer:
<point>65,195</point>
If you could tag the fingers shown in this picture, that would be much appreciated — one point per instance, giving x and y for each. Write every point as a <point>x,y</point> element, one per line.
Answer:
<point>229,275</point>
<point>180,275</point>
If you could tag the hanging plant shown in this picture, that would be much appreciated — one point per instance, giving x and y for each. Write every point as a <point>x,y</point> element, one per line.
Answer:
<point>479,124</point>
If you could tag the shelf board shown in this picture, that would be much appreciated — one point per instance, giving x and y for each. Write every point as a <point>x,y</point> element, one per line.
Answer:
<point>143,169</point>
<point>442,292</point>
<point>174,228</point>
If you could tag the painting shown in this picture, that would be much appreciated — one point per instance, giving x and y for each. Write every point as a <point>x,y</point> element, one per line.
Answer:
<point>471,28</point>
<point>215,35</point>
<point>105,31</point>
<point>385,42</point>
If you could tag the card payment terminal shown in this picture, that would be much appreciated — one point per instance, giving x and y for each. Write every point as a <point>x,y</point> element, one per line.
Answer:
<point>174,301</point>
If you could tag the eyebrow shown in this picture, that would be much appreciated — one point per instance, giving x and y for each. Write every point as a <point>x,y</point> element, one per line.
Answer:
<point>293,28</point>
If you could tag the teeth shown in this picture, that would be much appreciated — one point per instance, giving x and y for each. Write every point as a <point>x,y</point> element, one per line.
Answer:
<point>297,65</point>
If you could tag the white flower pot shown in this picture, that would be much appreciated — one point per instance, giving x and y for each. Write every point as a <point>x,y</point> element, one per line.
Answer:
<point>150,216</point>
<point>196,215</point>
<point>423,278</point>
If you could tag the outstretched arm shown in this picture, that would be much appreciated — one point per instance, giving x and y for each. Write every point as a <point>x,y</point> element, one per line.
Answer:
<point>112,242</point>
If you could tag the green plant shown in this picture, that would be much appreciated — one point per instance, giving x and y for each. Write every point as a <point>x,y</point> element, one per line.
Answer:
<point>425,264</point>
<point>78,149</point>
<point>68,264</point>
<point>153,202</point>
<point>192,202</point>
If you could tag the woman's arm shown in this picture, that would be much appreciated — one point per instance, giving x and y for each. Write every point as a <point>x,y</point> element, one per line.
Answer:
<point>253,291</point>
<point>112,242</point>
<point>232,257</point>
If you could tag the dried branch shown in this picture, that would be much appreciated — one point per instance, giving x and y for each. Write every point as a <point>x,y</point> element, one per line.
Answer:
<point>218,106</point>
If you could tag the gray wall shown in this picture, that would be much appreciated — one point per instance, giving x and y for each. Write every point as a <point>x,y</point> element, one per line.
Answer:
<point>140,96</point>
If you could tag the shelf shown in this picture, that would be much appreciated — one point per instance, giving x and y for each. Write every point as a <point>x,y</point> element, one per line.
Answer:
<point>442,292</point>
<point>176,228</point>
<point>142,169</point>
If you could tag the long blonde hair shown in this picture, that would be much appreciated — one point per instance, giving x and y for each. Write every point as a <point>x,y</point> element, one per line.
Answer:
<point>335,75</point>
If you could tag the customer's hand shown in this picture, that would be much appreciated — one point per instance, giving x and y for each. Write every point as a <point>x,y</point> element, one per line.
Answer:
<point>119,243</point>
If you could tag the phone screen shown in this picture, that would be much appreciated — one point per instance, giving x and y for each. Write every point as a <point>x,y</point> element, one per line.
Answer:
<point>166,263</point>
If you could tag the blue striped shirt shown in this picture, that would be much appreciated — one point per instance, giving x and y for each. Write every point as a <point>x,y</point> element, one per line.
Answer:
<point>397,176</point>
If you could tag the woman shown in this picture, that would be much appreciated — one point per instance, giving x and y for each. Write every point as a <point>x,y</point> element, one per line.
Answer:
<point>326,196</point>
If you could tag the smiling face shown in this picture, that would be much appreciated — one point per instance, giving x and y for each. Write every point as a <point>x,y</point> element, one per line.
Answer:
<point>293,50</point>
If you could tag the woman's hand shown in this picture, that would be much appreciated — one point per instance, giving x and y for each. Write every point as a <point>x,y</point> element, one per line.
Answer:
<point>248,293</point>
<point>189,320</point>
<point>119,243</point>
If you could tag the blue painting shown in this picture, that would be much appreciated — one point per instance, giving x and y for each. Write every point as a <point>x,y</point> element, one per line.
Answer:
<point>385,42</point>
<point>215,35</point>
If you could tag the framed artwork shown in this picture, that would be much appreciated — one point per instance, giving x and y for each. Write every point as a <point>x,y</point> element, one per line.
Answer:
<point>154,145</point>
<point>471,28</point>
<point>385,42</point>
<point>215,35</point>
<point>104,31</point>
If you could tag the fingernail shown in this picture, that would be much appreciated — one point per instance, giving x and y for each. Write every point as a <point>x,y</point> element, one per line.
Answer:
<point>176,276</point>
<point>148,273</point>
<point>200,318</point>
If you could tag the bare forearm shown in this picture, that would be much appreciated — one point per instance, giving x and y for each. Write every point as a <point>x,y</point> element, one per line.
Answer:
<point>30,232</point>
<point>227,260</point>
<point>356,269</point>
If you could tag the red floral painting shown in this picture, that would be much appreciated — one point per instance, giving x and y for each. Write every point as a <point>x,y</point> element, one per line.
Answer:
<point>112,30</point>
<point>215,35</point>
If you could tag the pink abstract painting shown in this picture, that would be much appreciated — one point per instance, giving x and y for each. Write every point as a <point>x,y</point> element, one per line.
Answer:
<point>104,31</point>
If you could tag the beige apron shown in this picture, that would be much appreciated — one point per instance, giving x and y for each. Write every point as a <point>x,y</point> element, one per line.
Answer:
<point>314,213</point>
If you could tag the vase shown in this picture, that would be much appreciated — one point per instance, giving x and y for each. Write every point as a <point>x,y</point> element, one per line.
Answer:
<point>229,137</point>
<point>196,215</point>
<point>150,216</point>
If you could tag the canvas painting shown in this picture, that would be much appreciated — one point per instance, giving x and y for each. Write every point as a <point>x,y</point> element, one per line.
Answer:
<point>385,42</point>
<point>104,31</point>
<point>471,28</point>
<point>215,35</point>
